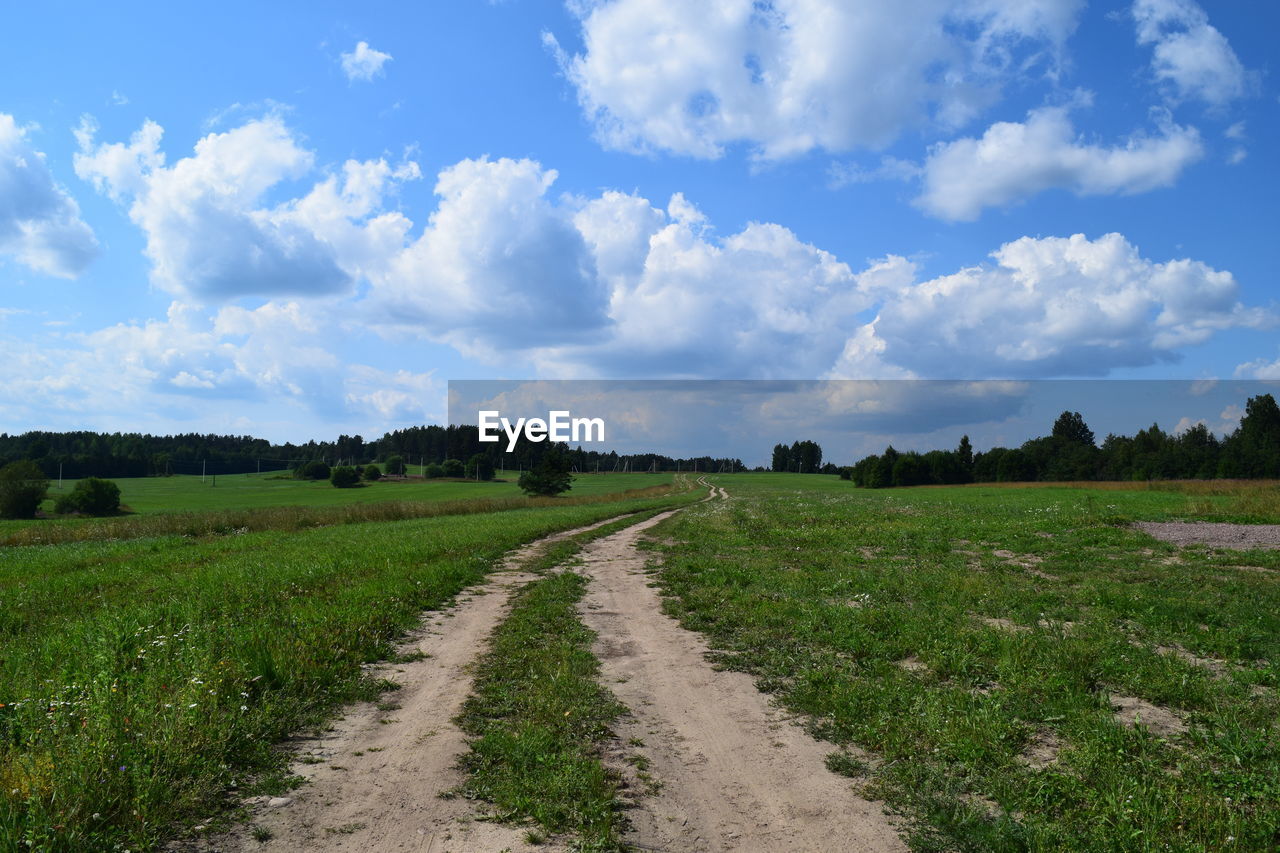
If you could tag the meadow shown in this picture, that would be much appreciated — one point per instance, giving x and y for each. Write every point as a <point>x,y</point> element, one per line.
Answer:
<point>1010,668</point>
<point>144,680</point>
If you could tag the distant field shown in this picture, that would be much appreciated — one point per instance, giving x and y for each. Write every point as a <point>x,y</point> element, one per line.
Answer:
<point>1022,669</point>
<point>245,491</point>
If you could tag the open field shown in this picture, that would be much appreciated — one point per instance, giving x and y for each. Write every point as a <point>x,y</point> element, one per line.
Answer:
<point>249,502</point>
<point>1014,668</point>
<point>143,679</point>
<point>1006,668</point>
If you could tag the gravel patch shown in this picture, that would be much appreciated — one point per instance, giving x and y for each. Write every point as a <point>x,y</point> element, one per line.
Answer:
<point>1215,534</point>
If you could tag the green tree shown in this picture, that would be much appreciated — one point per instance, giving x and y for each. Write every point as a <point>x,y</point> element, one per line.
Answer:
<point>395,466</point>
<point>313,470</point>
<point>781,457</point>
<point>964,453</point>
<point>433,471</point>
<point>454,468</point>
<point>549,477</point>
<point>91,496</point>
<point>22,489</point>
<point>480,467</point>
<point>344,477</point>
<point>372,473</point>
<point>1071,426</point>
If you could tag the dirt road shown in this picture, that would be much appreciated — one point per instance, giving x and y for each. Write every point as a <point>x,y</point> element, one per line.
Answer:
<point>734,774</point>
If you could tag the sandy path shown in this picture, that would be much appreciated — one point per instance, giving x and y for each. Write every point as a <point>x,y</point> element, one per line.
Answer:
<point>380,774</point>
<point>735,775</point>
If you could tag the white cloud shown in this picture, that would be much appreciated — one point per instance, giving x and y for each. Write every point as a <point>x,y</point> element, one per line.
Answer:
<point>790,76</point>
<point>1015,160</point>
<point>40,222</point>
<point>1189,55</point>
<point>364,63</point>
<point>1056,307</point>
<point>212,233</point>
<point>1259,368</point>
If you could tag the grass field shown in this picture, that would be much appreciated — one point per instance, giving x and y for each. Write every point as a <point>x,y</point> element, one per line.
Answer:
<point>140,680</point>
<point>1012,668</point>
<point>967,648</point>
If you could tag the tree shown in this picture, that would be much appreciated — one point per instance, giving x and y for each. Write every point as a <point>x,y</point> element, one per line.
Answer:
<point>454,468</point>
<point>372,473</point>
<point>433,471</point>
<point>395,466</point>
<point>781,457</point>
<point>91,496</point>
<point>22,489</point>
<point>549,477</point>
<point>965,453</point>
<point>344,477</point>
<point>314,470</point>
<point>1071,426</point>
<point>480,467</point>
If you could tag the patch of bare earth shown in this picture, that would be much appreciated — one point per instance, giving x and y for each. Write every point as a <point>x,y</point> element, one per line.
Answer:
<point>728,771</point>
<point>375,778</point>
<point>1042,750</point>
<point>1214,534</point>
<point>1131,711</point>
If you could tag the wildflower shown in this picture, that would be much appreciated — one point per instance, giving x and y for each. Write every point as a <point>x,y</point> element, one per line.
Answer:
<point>244,707</point>
<point>193,704</point>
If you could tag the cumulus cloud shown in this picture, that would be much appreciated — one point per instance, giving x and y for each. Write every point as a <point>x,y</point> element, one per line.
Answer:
<point>1190,56</point>
<point>1059,306</point>
<point>789,76</point>
<point>40,222</point>
<point>1260,368</point>
<point>211,231</point>
<point>1015,160</point>
<point>364,63</point>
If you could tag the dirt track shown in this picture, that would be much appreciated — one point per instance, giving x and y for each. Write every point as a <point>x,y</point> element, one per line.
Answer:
<point>734,774</point>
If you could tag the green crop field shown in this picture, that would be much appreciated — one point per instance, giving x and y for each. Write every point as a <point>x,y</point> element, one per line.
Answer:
<point>968,649</point>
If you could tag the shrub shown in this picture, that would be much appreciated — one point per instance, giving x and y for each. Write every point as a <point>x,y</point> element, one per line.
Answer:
<point>372,472</point>
<point>453,468</point>
<point>549,477</point>
<point>314,470</point>
<point>91,496</point>
<point>344,477</point>
<point>481,464</point>
<point>22,489</point>
<point>395,466</point>
<point>434,470</point>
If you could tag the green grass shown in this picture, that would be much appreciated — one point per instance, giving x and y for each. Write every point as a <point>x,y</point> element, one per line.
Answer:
<point>314,505</point>
<point>140,680</point>
<point>538,716</point>
<point>823,592</point>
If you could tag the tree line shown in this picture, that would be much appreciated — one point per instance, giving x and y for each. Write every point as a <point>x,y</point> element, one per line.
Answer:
<point>1071,452</point>
<point>79,454</point>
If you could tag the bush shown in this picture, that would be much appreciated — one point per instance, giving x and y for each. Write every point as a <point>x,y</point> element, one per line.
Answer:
<point>372,472</point>
<point>22,489</point>
<point>453,468</point>
<point>314,470</point>
<point>549,477</point>
<point>344,477</point>
<point>433,471</point>
<point>481,464</point>
<point>91,496</point>
<point>395,466</point>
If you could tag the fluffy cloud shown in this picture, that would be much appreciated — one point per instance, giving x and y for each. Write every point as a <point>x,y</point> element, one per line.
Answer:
<point>364,63</point>
<point>212,234</point>
<point>1013,161</point>
<point>1058,306</point>
<point>498,265</point>
<point>1188,54</point>
<point>40,223</point>
<point>790,76</point>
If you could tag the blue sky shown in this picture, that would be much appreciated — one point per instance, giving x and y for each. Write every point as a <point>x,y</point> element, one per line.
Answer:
<point>296,220</point>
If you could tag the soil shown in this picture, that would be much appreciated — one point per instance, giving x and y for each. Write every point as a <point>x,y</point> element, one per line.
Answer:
<point>1214,534</point>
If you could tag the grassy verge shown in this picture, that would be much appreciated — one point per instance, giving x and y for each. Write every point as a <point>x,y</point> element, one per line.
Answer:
<point>141,680</point>
<point>291,518</point>
<point>977,640</point>
<point>538,714</point>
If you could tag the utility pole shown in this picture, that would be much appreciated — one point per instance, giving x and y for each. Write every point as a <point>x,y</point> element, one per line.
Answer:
<point>59,476</point>
<point>203,466</point>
